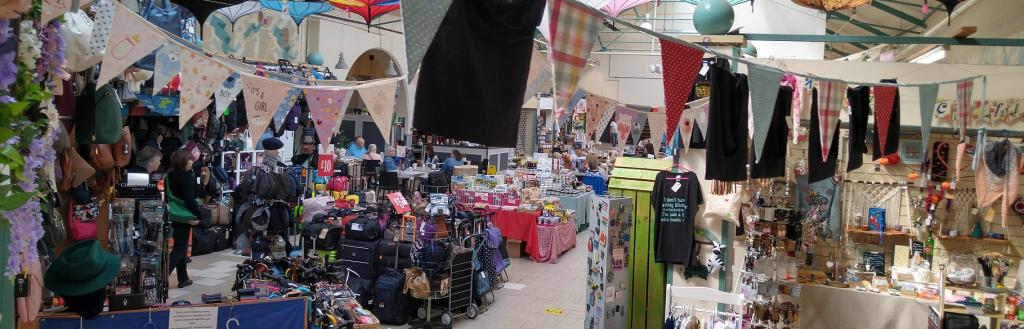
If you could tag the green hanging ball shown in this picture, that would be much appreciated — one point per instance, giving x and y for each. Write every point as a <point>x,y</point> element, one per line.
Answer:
<point>315,58</point>
<point>750,50</point>
<point>713,17</point>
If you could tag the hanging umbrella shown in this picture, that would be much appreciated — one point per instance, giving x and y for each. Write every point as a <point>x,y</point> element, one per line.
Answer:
<point>368,9</point>
<point>202,9</point>
<point>298,10</point>
<point>616,7</point>
<point>831,5</point>
<point>236,12</point>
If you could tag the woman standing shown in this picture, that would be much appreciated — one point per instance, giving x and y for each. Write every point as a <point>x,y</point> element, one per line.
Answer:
<point>181,185</point>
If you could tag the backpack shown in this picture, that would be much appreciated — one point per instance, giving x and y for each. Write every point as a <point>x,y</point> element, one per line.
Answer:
<point>312,207</point>
<point>390,303</point>
<point>363,229</point>
<point>324,236</point>
<point>338,183</point>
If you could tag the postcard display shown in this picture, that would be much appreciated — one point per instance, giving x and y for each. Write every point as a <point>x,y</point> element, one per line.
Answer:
<point>608,263</point>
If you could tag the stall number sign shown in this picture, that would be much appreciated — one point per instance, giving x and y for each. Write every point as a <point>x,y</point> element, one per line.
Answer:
<point>192,318</point>
<point>325,165</point>
<point>398,201</point>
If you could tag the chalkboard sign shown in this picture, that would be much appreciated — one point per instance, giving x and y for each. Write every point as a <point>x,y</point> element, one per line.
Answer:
<point>876,260</point>
<point>916,247</point>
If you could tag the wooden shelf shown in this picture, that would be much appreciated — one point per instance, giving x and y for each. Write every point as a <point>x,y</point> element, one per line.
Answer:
<point>975,290</point>
<point>887,233</point>
<point>964,238</point>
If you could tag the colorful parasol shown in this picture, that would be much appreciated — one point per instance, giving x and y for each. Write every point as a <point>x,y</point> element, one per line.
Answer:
<point>236,12</point>
<point>616,7</point>
<point>368,9</point>
<point>202,9</point>
<point>298,10</point>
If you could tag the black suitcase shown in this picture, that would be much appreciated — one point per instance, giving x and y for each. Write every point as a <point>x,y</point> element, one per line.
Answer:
<point>363,229</point>
<point>223,238</point>
<point>394,248</point>
<point>204,241</point>
<point>390,304</point>
<point>359,256</point>
<point>324,236</point>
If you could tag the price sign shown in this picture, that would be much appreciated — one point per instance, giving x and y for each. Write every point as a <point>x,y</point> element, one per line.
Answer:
<point>398,201</point>
<point>325,165</point>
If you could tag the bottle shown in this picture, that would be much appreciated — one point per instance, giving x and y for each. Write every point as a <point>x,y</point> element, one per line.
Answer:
<point>929,246</point>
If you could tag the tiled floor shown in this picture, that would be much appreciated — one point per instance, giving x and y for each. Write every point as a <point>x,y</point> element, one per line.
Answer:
<point>532,289</point>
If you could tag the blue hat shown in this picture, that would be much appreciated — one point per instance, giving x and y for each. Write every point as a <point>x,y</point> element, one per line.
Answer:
<point>272,143</point>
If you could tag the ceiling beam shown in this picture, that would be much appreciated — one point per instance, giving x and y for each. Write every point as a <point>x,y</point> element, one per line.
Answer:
<point>897,40</point>
<point>899,2</point>
<point>862,26</point>
<point>898,13</point>
<point>837,51</point>
<point>860,46</point>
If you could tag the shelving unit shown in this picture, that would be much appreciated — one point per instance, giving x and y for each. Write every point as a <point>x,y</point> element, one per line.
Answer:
<point>994,319</point>
<point>238,162</point>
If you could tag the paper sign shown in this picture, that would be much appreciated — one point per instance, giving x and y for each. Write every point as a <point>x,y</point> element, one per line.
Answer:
<point>192,318</point>
<point>398,201</point>
<point>325,165</point>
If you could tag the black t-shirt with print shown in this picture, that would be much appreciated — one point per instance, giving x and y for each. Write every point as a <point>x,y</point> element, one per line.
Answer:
<point>676,198</point>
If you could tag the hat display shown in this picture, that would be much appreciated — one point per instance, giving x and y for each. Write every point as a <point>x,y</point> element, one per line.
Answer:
<point>82,268</point>
<point>272,143</point>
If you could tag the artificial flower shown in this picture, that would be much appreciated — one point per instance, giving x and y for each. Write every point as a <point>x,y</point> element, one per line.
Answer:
<point>29,48</point>
<point>8,68</point>
<point>27,221</point>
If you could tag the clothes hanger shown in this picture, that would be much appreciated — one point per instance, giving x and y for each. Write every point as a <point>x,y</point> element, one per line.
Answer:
<point>232,319</point>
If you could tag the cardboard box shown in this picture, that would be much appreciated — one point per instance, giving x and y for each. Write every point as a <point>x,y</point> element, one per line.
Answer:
<point>515,248</point>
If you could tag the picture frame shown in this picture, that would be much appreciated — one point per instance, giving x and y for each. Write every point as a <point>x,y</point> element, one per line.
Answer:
<point>911,151</point>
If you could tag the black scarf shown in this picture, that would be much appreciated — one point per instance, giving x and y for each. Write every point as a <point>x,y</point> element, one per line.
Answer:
<point>995,157</point>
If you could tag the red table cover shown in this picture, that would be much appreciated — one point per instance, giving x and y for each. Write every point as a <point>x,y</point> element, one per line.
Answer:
<point>553,240</point>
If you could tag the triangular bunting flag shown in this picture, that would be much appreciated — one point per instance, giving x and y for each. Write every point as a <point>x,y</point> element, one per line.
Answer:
<point>680,65</point>
<point>791,80</point>
<point>685,128</point>
<point>420,19</point>
<point>167,64</point>
<point>885,97</point>
<point>603,123</point>
<point>286,107</point>
<point>262,98</point>
<point>227,93</point>
<point>53,8</point>
<point>540,75</point>
<point>379,98</point>
<point>638,126</point>
<point>764,90</point>
<point>131,38</point>
<point>573,32</point>
<point>596,108</point>
<point>928,95</point>
<point>201,76</point>
<point>657,121</point>
<point>624,123</point>
<point>830,101</point>
<point>327,108</point>
<point>964,88</point>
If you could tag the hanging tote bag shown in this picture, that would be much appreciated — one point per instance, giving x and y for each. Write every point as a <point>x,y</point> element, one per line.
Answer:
<point>76,33</point>
<point>83,220</point>
<point>98,120</point>
<point>168,18</point>
<point>176,210</point>
<point>725,207</point>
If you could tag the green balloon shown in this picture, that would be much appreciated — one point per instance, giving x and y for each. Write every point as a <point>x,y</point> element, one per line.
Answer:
<point>315,58</point>
<point>713,17</point>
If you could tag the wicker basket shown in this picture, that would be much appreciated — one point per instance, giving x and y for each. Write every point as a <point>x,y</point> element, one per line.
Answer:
<point>831,5</point>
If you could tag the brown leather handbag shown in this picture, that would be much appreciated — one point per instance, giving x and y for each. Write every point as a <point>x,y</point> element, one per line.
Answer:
<point>102,156</point>
<point>219,214</point>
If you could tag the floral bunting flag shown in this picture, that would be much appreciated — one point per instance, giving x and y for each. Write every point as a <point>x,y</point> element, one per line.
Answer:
<point>638,126</point>
<point>131,38</point>
<point>540,75</point>
<point>420,19</point>
<point>963,101</point>
<point>624,123</point>
<point>927,95</point>
<point>764,90</point>
<point>286,107</point>
<point>327,108</point>
<point>105,13</point>
<point>227,93</point>
<point>657,121</point>
<point>680,64</point>
<point>695,116</point>
<point>52,9</point>
<point>167,64</point>
<point>597,106</point>
<point>262,98</point>
<point>379,98</point>
<point>603,123</point>
<point>573,32</point>
<point>830,101</point>
<point>201,76</point>
<point>885,98</point>
<point>791,81</point>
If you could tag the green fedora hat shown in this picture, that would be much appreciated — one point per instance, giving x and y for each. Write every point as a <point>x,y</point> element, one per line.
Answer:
<point>82,268</point>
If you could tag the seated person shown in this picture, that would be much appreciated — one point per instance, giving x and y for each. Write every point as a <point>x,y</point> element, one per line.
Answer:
<point>371,153</point>
<point>357,149</point>
<point>390,160</point>
<point>453,161</point>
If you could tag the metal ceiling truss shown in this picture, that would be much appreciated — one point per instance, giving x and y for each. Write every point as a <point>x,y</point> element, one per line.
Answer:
<point>898,13</point>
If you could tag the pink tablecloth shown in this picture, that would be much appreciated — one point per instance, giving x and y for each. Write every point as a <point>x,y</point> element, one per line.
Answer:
<point>553,240</point>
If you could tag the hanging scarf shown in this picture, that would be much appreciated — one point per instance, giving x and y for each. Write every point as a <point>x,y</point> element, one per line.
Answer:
<point>996,154</point>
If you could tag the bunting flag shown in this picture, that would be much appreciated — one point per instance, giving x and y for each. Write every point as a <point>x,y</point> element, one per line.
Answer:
<point>798,95</point>
<point>420,19</point>
<point>657,121</point>
<point>262,98</point>
<point>573,32</point>
<point>597,106</point>
<point>327,108</point>
<point>928,95</point>
<point>764,90</point>
<point>680,65</point>
<point>963,101</point>
<point>603,123</point>
<point>53,8</point>
<point>638,126</point>
<point>286,107</point>
<point>167,64</point>
<point>201,76</point>
<point>830,101</point>
<point>695,116</point>
<point>624,117</point>
<point>885,97</point>
<point>227,93</point>
<point>379,98</point>
<point>104,15</point>
<point>131,38</point>
<point>540,75</point>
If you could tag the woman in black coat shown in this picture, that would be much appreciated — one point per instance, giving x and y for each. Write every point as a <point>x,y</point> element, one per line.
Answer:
<point>183,186</point>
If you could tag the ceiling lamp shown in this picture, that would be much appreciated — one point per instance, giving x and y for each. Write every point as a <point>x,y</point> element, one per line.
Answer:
<point>831,5</point>
<point>342,65</point>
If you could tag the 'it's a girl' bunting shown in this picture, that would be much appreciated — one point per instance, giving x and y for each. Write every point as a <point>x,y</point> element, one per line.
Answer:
<point>573,32</point>
<point>680,65</point>
<point>201,76</point>
<point>327,107</point>
<point>830,101</point>
<point>262,99</point>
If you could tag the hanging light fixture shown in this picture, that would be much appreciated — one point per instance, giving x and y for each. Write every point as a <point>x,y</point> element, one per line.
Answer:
<point>390,71</point>
<point>342,65</point>
<point>647,24</point>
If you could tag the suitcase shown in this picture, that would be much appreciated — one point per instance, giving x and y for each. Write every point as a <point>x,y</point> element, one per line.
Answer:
<point>358,256</point>
<point>363,229</point>
<point>204,241</point>
<point>223,238</point>
<point>390,304</point>
<point>321,235</point>
<point>394,248</point>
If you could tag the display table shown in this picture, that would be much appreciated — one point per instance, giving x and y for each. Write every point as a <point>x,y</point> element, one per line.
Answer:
<point>553,240</point>
<point>285,313</point>
<point>581,204</point>
<point>845,308</point>
<point>517,225</point>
